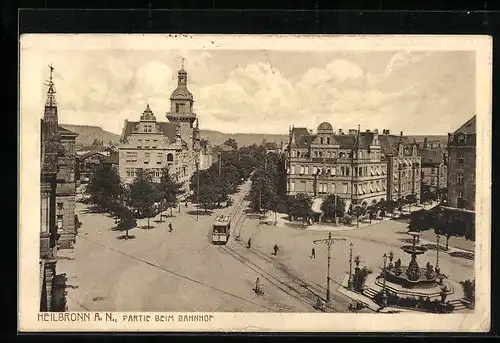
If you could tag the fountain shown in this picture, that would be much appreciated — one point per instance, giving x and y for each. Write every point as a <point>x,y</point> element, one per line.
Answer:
<point>411,281</point>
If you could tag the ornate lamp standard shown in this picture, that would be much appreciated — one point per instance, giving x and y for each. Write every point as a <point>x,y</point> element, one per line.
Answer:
<point>437,254</point>
<point>384,294</point>
<point>350,281</point>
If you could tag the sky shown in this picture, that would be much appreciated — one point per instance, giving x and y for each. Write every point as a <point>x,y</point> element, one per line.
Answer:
<point>256,91</point>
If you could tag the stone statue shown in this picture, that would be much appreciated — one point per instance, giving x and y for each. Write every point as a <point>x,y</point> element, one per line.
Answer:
<point>430,274</point>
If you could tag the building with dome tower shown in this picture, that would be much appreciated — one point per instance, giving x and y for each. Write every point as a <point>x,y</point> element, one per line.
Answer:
<point>361,167</point>
<point>153,145</point>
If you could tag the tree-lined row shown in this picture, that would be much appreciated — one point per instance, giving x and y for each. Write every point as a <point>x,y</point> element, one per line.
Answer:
<point>223,177</point>
<point>142,198</point>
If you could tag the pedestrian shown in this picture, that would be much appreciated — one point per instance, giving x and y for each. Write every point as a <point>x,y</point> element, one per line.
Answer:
<point>249,243</point>
<point>186,204</point>
<point>313,253</point>
<point>170,226</point>
<point>257,285</point>
<point>276,249</point>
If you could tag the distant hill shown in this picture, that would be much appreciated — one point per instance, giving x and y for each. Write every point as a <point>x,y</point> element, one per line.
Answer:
<point>243,139</point>
<point>87,135</point>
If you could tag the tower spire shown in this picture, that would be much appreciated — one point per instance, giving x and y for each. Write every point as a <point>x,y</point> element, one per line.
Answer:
<point>182,67</point>
<point>51,97</point>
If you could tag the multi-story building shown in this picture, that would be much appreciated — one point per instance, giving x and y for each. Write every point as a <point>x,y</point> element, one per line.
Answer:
<point>205,154</point>
<point>403,165</point>
<point>66,189</point>
<point>153,145</point>
<point>54,167</point>
<point>462,166</point>
<point>351,166</point>
<point>434,165</point>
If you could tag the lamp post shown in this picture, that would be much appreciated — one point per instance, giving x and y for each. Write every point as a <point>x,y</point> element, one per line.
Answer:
<point>329,242</point>
<point>350,281</point>
<point>384,294</point>
<point>437,254</point>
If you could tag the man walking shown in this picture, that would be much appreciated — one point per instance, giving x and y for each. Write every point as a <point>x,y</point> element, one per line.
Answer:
<point>313,253</point>
<point>170,226</point>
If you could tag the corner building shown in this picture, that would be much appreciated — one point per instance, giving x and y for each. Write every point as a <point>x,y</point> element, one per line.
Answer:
<point>403,165</point>
<point>351,166</point>
<point>153,145</point>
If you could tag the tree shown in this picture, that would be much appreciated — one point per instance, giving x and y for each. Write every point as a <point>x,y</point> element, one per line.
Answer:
<point>411,199</point>
<point>333,206</point>
<point>104,187</point>
<point>231,142</point>
<point>358,211</point>
<point>169,189</point>
<point>126,220</point>
<point>299,206</point>
<point>273,202</point>
<point>143,194</point>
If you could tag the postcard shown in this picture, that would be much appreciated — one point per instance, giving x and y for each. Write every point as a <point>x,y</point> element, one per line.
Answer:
<point>254,183</point>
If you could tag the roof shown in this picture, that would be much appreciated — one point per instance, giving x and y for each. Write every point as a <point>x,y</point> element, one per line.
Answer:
<point>325,126</point>
<point>65,132</point>
<point>111,159</point>
<point>221,220</point>
<point>302,138</point>
<point>169,130</point>
<point>90,153</point>
<point>431,156</point>
<point>469,127</point>
<point>389,143</point>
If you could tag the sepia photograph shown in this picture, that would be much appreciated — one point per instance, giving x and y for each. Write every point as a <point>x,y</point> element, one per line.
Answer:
<point>194,179</point>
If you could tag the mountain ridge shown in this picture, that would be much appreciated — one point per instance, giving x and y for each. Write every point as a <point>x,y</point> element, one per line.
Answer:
<point>87,134</point>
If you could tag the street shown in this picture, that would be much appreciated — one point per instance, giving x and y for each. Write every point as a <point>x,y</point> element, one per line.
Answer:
<point>159,270</point>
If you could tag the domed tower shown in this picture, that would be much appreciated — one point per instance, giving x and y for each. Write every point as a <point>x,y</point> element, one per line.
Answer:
<point>181,107</point>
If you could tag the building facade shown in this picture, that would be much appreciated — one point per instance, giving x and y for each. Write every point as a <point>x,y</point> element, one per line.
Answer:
<point>152,145</point>
<point>55,164</point>
<point>434,165</point>
<point>350,166</point>
<point>403,165</point>
<point>462,166</point>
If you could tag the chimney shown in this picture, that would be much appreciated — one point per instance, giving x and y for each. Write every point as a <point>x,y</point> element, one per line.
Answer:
<point>425,143</point>
<point>340,132</point>
<point>352,132</point>
<point>386,132</point>
<point>310,132</point>
<point>401,134</point>
<point>368,131</point>
<point>375,131</point>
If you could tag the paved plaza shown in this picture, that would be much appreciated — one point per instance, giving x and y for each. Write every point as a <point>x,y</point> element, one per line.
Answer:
<point>159,270</point>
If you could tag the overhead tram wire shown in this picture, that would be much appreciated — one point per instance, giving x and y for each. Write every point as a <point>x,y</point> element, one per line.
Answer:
<point>172,272</point>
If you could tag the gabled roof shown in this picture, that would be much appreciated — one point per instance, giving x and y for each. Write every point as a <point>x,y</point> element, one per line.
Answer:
<point>169,130</point>
<point>301,137</point>
<point>389,143</point>
<point>431,156</point>
<point>469,127</point>
<point>90,153</point>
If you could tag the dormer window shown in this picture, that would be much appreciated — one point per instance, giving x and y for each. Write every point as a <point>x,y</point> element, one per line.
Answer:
<point>321,140</point>
<point>328,140</point>
<point>461,138</point>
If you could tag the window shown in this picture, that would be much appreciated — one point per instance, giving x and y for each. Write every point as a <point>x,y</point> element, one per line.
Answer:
<point>131,157</point>
<point>321,140</point>
<point>179,108</point>
<point>332,188</point>
<point>60,205</point>
<point>292,186</point>
<point>347,171</point>
<point>146,158</point>
<point>59,221</point>
<point>334,154</point>
<point>159,158</point>
<point>320,154</point>
<point>293,153</point>
<point>306,170</point>
<point>461,138</point>
<point>139,143</point>
<point>292,170</point>
<point>345,187</point>
<point>328,140</point>
<point>148,128</point>
<point>460,179</point>
<point>460,194</point>
<point>170,157</point>
<point>461,159</point>
<point>342,171</point>
<point>301,170</point>
<point>146,143</point>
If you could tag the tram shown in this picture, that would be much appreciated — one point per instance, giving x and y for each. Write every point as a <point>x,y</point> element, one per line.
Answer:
<point>221,229</point>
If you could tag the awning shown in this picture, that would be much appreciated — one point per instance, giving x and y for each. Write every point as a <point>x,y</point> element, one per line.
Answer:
<point>360,190</point>
<point>316,205</point>
<point>371,190</point>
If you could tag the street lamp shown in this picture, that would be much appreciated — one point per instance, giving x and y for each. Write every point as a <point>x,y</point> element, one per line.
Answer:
<point>384,294</point>
<point>437,254</point>
<point>350,281</point>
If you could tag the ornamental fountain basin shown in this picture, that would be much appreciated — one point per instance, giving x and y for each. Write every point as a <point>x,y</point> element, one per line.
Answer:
<point>400,277</point>
<point>410,249</point>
